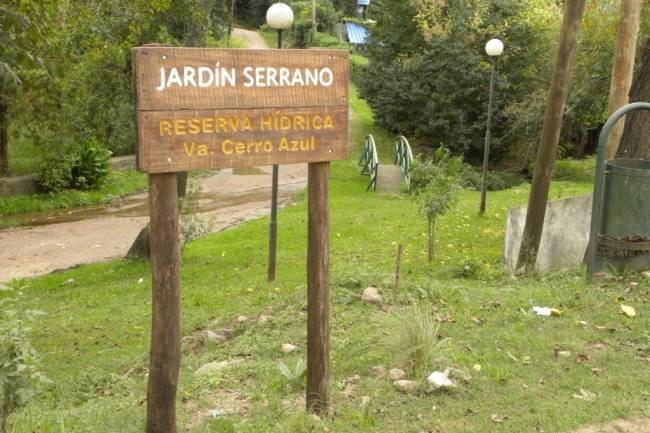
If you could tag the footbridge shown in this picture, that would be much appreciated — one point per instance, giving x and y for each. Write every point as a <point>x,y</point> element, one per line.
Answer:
<point>387,178</point>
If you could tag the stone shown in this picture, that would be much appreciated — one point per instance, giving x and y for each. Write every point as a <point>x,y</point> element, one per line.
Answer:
<point>563,354</point>
<point>263,319</point>
<point>457,374</point>
<point>371,296</point>
<point>365,400</point>
<point>215,366</point>
<point>646,274</point>
<point>289,348</point>
<point>405,385</point>
<point>242,319</point>
<point>396,374</point>
<point>564,238</point>
<point>439,380</point>
<point>378,370</point>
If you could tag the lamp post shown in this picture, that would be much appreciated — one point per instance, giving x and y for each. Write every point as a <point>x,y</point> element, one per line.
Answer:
<point>280,17</point>
<point>493,48</point>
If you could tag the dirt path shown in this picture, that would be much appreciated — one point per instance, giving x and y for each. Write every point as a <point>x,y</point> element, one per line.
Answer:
<point>639,425</point>
<point>66,239</point>
<point>60,240</point>
<point>253,38</point>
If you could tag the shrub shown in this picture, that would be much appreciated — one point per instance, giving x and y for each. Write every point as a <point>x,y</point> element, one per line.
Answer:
<point>91,165</point>
<point>18,362</point>
<point>55,173</point>
<point>84,168</point>
<point>416,336</point>
<point>497,180</point>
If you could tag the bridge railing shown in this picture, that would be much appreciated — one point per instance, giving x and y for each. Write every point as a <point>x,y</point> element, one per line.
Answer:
<point>369,160</point>
<point>404,158</point>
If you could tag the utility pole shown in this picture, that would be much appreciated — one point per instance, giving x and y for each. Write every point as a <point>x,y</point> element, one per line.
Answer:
<point>546,154</point>
<point>627,33</point>
<point>313,16</point>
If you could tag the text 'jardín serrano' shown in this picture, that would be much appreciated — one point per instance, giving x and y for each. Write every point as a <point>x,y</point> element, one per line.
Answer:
<point>249,76</point>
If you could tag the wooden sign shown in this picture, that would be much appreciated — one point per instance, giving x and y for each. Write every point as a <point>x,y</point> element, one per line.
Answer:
<point>200,108</point>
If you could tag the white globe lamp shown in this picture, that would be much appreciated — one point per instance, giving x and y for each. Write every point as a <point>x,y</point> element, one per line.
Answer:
<point>494,47</point>
<point>279,16</point>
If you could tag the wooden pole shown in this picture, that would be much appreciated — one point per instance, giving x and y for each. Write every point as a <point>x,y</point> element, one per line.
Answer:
<point>318,304</point>
<point>550,134</point>
<point>397,267</point>
<point>165,328</point>
<point>627,33</point>
<point>486,149</point>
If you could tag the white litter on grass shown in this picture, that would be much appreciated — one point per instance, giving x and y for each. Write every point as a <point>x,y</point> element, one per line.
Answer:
<point>542,311</point>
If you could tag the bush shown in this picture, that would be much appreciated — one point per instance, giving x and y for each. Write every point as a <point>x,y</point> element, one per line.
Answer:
<point>497,180</point>
<point>84,168</point>
<point>55,173</point>
<point>358,64</point>
<point>91,165</point>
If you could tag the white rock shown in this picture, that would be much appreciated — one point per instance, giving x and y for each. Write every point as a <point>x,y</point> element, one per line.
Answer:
<point>438,380</point>
<point>242,319</point>
<point>405,385</point>
<point>288,348</point>
<point>396,374</point>
<point>215,366</point>
<point>371,296</point>
<point>365,400</point>
<point>263,319</point>
<point>563,353</point>
<point>646,274</point>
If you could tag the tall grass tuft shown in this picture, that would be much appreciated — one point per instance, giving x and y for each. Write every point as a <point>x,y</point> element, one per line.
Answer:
<point>416,337</point>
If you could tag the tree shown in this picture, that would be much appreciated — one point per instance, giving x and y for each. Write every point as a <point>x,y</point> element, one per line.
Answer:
<point>18,37</point>
<point>635,142</point>
<point>557,97</point>
<point>435,185</point>
<point>628,30</point>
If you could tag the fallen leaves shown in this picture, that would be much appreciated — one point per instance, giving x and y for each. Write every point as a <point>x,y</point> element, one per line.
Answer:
<point>585,395</point>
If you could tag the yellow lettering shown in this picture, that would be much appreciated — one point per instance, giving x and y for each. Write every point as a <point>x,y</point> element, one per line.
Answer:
<point>234,124</point>
<point>298,122</point>
<point>268,146</point>
<point>247,124</point>
<point>189,150</point>
<point>329,123</point>
<point>195,126</point>
<point>221,124</point>
<point>285,122</point>
<point>227,146</point>
<point>266,123</point>
<point>284,144</point>
<point>165,127</point>
<point>208,124</point>
<point>240,147</point>
<point>203,150</point>
<point>317,121</point>
<point>179,127</point>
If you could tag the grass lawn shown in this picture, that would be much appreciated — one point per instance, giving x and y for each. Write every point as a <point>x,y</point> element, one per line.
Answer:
<point>94,339</point>
<point>117,184</point>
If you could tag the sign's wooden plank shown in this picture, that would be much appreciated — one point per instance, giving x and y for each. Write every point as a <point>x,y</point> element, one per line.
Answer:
<point>173,141</point>
<point>170,79</point>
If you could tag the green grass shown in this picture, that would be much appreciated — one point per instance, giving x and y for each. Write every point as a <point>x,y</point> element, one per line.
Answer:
<point>94,340</point>
<point>118,184</point>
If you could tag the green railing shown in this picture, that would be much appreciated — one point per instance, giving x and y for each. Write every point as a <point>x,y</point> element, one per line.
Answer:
<point>403,158</point>
<point>369,161</point>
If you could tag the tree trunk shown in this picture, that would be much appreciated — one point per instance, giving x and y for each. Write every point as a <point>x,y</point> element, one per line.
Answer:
<point>550,134</point>
<point>635,142</point>
<point>623,68</point>
<point>4,138</point>
<point>431,223</point>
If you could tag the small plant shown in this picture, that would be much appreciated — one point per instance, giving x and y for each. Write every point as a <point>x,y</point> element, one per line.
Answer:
<point>468,269</point>
<point>193,226</point>
<point>91,165</point>
<point>84,168</point>
<point>295,376</point>
<point>416,336</point>
<point>18,360</point>
<point>436,184</point>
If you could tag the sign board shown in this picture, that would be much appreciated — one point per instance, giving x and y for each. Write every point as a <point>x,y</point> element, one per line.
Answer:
<point>202,108</point>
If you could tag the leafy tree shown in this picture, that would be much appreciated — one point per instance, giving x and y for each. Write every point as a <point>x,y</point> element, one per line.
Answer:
<point>435,184</point>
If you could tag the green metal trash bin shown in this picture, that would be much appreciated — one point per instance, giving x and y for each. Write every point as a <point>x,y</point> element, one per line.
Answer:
<point>620,220</point>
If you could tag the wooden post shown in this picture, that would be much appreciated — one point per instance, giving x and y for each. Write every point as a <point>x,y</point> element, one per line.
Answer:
<point>165,328</point>
<point>550,134</point>
<point>318,304</point>
<point>397,267</point>
<point>623,68</point>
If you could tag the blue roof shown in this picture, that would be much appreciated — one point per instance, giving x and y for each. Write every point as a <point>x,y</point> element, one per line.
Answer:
<point>363,2</point>
<point>357,34</point>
